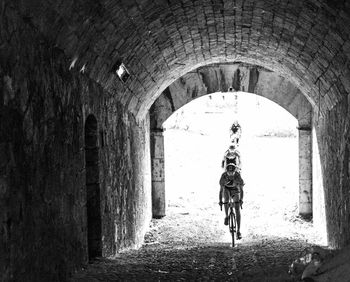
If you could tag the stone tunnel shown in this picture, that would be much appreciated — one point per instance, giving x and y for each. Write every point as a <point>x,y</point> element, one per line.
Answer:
<point>86,85</point>
<point>230,78</point>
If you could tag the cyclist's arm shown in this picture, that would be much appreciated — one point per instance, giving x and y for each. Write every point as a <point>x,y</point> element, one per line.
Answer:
<point>239,162</point>
<point>221,183</point>
<point>223,160</point>
<point>220,194</point>
<point>242,192</point>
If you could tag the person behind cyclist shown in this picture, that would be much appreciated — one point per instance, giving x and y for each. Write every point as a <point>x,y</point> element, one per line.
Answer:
<point>232,156</point>
<point>235,132</point>
<point>231,183</point>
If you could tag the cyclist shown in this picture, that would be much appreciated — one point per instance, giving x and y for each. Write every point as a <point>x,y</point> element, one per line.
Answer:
<point>231,183</point>
<point>232,155</point>
<point>235,132</point>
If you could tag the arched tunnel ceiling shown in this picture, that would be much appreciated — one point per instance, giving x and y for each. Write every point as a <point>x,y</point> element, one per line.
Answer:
<point>306,42</point>
<point>229,78</point>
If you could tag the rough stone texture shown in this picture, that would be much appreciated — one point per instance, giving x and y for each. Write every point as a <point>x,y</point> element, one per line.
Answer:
<point>333,139</point>
<point>159,41</point>
<point>305,173</point>
<point>43,108</point>
<point>158,174</point>
<point>228,78</point>
<point>57,66</point>
<point>319,210</point>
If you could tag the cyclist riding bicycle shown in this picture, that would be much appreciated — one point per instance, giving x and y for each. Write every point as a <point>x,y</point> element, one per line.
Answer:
<point>232,156</point>
<point>235,132</point>
<point>231,183</point>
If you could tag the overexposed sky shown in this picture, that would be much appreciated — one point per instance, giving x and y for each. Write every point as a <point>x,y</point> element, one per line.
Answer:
<point>195,139</point>
<point>213,114</point>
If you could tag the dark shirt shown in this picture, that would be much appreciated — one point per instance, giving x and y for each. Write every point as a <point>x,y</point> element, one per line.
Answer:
<point>235,128</point>
<point>233,182</point>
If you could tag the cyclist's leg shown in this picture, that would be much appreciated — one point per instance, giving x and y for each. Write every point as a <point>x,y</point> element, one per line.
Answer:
<point>226,200</point>
<point>233,226</point>
<point>238,214</point>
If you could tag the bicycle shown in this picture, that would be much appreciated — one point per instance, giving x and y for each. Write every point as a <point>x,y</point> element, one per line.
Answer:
<point>232,223</point>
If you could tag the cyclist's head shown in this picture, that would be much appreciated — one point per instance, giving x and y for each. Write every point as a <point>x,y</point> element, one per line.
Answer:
<point>232,147</point>
<point>230,169</point>
<point>235,123</point>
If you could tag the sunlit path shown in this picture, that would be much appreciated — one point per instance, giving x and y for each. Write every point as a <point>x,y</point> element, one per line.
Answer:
<point>271,193</point>
<point>195,141</point>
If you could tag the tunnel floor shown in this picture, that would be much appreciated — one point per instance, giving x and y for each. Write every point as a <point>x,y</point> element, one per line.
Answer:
<point>264,260</point>
<point>188,246</point>
<point>191,243</point>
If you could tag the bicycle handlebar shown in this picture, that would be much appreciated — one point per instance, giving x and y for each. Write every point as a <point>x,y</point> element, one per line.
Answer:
<point>224,203</point>
<point>220,204</point>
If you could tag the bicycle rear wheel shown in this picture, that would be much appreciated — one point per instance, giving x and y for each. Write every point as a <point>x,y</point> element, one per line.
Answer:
<point>232,225</point>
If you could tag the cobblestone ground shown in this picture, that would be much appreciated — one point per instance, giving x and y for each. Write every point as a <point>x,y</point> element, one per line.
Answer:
<point>185,247</point>
<point>266,260</point>
<point>192,244</point>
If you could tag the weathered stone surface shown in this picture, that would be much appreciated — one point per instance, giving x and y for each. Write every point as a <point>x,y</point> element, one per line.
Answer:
<point>334,177</point>
<point>158,174</point>
<point>305,172</point>
<point>295,39</point>
<point>44,177</point>
<point>57,67</point>
<point>228,78</point>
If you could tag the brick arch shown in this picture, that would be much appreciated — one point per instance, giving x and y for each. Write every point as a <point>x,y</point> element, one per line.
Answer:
<point>160,41</point>
<point>227,78</point>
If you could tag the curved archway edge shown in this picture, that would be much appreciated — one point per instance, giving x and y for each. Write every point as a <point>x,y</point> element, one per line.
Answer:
<point>230,78</point>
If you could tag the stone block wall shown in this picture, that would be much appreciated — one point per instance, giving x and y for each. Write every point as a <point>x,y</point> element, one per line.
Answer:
<point>44,103</point>
<point>333,141</point>
<point>231,77</point>
<point>159,41</point>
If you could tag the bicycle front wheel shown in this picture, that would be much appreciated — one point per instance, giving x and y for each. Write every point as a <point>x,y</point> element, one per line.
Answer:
<point>232,224</point>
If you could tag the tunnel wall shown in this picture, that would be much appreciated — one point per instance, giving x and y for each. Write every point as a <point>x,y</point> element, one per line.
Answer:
<point>44,102</point>
<point>333,141</point>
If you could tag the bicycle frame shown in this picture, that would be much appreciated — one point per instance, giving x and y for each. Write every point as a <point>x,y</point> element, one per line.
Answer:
<point>232,223</point>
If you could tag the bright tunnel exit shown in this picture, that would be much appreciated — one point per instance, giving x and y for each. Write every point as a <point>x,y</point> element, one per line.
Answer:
<point>195,139</point>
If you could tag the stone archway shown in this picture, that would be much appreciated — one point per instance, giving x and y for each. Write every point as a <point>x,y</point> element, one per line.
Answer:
<point>53,53</point>
<point>230,78</point>
<point>93,188</point>
<point>160,41</point>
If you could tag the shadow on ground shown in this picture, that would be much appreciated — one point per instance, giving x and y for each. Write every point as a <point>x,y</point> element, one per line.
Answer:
<point>191,243</point>
<point>266,259</point>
